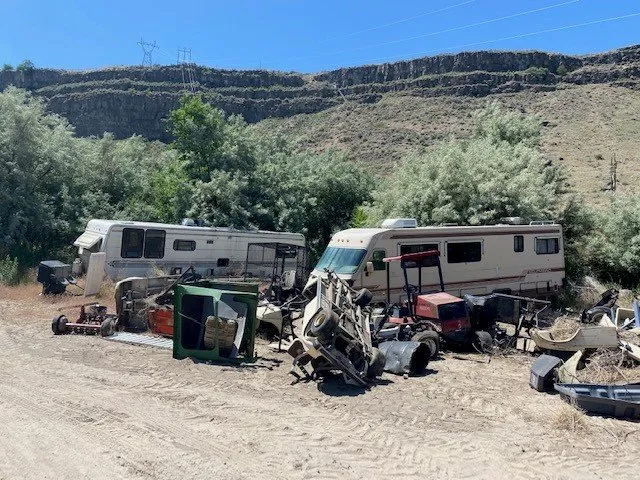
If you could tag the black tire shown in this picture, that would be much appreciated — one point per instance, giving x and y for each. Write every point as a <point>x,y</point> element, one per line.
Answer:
<point>363,298</point>
<point>108,327</point>
<point>483,341</point>
<point>431,338</point>
<point>324,324</point>
<point>59,325</point>
<point>376,366</point>
<point>595,314</point>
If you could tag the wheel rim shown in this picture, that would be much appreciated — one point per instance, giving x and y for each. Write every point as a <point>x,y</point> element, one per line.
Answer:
<point>319,321</point>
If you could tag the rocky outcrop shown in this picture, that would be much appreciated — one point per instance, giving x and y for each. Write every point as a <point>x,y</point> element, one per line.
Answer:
<point>136,100</point>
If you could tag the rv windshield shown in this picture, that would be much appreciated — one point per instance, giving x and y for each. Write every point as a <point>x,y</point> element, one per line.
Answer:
<point>341,260</point>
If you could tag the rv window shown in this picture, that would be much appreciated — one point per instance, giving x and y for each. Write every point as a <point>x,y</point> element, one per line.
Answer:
<point>423,247</point>
<point>184,245</point>
<point>545,246</point>
<point>376,259</point>
<point>154,243</point>
<point>464,252</point>
<point>518,243</point>
<point>132,241</point>
<point>341,260</point>
<point>223,262</point>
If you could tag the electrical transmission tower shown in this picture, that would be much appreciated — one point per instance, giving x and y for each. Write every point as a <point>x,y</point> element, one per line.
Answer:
<point>147,50</point>
<point>188,70</point>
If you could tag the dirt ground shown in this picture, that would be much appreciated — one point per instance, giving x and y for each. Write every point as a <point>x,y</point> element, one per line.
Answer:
<point>82,407</point>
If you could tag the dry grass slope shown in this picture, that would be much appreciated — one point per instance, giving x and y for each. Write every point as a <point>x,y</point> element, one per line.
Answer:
<point>584,125</point>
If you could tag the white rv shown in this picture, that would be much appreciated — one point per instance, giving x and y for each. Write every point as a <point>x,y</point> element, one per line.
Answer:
<point>519,259</point>
<point>141,249</point>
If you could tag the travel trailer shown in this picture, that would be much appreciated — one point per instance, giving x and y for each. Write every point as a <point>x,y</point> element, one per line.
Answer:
<point>143,249</point>
<point>519,259</point>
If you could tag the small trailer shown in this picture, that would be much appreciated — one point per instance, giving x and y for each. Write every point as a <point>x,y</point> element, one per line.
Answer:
<point>142,249</point>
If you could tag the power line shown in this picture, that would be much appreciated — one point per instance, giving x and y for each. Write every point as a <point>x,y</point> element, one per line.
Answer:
<point>147,50</point>
<point>484,42</point>
<point>431,34</point>
<point>403,20</point>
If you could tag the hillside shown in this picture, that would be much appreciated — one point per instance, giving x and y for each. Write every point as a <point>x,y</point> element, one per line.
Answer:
<point>128,100</point>
<point>378,113</point>
<point>584,125</point>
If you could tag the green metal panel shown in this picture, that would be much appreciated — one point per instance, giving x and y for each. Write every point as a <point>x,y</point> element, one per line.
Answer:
<point>193,303</point>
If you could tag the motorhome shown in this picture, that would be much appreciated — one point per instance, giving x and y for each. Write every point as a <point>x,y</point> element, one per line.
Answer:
<point>519,259</point>
<point>142,249</point>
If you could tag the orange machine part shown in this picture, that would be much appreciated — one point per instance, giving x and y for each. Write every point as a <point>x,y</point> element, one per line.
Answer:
<point>161,321</point>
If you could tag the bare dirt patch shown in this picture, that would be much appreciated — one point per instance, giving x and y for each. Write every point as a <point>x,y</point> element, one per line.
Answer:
<point>82,407</point>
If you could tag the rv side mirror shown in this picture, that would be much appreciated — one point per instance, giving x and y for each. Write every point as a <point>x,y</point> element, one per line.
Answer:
<point>368,268</point>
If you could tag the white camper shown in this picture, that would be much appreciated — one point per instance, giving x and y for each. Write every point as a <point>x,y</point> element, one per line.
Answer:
<point>143,249</point>
<point>519,259</point>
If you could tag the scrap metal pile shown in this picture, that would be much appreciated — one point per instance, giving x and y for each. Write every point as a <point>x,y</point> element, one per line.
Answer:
<point>593,361</point>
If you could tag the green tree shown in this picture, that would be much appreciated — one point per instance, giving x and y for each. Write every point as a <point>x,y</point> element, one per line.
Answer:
<point>37,152</point>
<point>613,246</point>
<point>7,67</point>
<point>207,141</point>
<point>312,194</point>
<point>26,66</point>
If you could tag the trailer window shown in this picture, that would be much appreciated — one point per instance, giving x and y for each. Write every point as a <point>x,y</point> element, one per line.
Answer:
<point>184,245</point>
<point>546,246</point>
<point>376,259</point>
<point>423,247</point>
<point>518,243</point>
<point>464,252</point>
<point>154,243</point>
<point>132,242</point>
<point>223,262</point>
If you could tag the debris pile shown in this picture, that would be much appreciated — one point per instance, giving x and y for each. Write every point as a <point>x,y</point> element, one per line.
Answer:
<point>594,363</point>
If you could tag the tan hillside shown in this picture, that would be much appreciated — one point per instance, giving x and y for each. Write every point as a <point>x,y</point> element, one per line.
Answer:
<point>584,126</point>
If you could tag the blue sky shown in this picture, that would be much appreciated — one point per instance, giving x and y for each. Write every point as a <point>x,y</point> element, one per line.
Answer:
<point>303,35</point>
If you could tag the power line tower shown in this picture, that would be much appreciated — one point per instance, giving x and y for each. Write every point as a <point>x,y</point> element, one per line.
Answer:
<point>188,72</point>
<point>147,50</point>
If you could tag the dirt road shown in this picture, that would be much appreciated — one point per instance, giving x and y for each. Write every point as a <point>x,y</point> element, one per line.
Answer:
<point>81,407</point>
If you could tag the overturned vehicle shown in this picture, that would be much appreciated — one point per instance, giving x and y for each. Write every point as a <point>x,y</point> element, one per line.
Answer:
<point>336,335</point>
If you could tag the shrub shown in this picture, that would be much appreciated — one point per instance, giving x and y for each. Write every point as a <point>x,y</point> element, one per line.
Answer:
<point>561,70</point>
<point>537,71</point>
<point>9,271</point>
<point>26,66</point>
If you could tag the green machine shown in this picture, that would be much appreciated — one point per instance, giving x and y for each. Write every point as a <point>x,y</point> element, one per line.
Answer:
<point>215,321</point>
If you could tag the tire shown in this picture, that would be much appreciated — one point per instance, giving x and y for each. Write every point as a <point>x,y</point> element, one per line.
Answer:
<point>108,327</point>
<point>59,325</point>
<point>376,366</point>
<point>432,339</point>
<point>595,314</point>
<point>483,342</point>
<point>324,324</point>
<point>363,298</point>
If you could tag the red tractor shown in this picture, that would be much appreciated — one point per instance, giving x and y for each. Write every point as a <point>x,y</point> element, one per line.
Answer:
<point>434,311</point>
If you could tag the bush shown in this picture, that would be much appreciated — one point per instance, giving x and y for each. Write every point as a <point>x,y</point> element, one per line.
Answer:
<point>498,173</point>
<point>613,248</point>
<point>537,71</point>
<point>26,66</point>
<point>9,271</point>
<point>561,70</point>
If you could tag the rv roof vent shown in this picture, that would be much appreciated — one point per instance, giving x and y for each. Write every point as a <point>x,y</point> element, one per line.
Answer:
<point>399,223</point>
<point>512,220</point>
<point>542,222</point>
